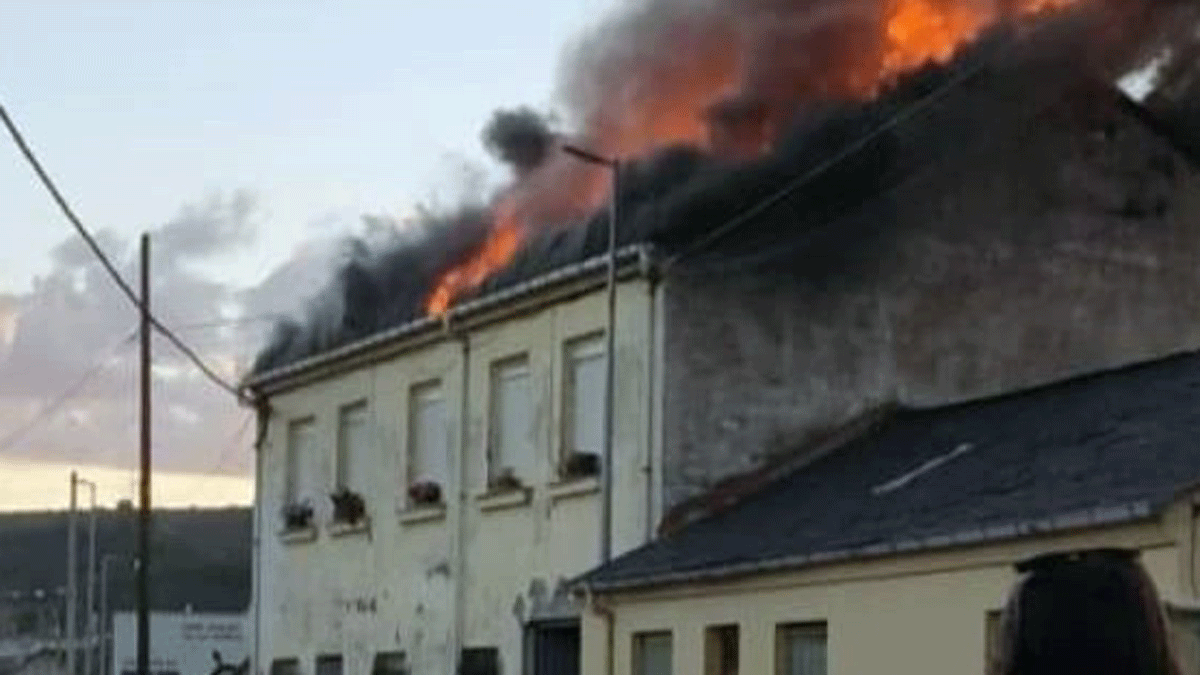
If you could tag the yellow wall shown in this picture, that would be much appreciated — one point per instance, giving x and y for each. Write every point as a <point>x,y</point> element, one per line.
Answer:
<point>913,614</point>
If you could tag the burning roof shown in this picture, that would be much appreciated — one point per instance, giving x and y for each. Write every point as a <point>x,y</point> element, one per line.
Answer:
<point>706,132</point>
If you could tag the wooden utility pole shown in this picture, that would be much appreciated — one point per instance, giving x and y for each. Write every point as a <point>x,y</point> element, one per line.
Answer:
<point>143,560</point>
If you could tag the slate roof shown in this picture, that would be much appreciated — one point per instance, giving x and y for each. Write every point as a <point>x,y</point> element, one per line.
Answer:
<point>1103,449</point>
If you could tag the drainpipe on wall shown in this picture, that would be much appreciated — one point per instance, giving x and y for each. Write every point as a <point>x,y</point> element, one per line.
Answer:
<point>609,630</point>
<point>262,411</point>
<point>652,374</point>
<point>460,562</point>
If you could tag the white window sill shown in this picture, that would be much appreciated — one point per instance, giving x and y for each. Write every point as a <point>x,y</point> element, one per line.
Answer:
<point>339,529</point>
<point>299,535</point>
<point>508,499</point>
<point>574,487</point>
<point>416,515</point>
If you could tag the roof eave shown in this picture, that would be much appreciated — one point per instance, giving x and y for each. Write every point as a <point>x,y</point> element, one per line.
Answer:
<point>1099,517</point>
<point>634,260</point>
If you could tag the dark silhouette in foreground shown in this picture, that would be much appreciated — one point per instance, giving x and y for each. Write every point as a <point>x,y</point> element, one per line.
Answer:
<point>1095,612</point>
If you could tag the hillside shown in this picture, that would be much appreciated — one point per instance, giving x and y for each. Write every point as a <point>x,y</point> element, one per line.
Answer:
<point>200,557</point>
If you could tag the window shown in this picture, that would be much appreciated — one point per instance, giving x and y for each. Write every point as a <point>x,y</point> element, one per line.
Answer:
<point>552,648</point>
<point>721,650</point>
<point>480,661</point>
<point>352,447</point>
<point>584,400</point>
<point>511,420</point>
<point>329,664</point>
<point>991,647</point>
<point>428,435</point>
<point>1184,625</point>
<point>801,649</point>
<point>390,663</point>
<point>299,473</point>
<point>652,654</point>
<point>289,666</point>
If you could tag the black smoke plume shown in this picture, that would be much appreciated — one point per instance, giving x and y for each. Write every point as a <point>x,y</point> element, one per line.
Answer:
<point>521,138</point>
<point>788,67</point>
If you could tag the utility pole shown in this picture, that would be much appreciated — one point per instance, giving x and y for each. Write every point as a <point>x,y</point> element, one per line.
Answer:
<point>143,557</point>
<point>89,614</point>
<point>72,575</point>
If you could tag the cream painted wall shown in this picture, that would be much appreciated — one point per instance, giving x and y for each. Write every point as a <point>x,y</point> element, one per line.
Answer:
<point>391,586</point>
<point>911,614</point>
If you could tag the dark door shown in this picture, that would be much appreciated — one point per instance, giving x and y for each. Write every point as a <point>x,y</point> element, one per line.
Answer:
<point>556,648</point>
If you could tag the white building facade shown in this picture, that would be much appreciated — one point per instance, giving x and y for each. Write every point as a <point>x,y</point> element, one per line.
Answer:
<point>473,446</point>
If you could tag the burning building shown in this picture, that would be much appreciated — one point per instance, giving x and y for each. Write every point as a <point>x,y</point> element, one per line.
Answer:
<point>825,213</point>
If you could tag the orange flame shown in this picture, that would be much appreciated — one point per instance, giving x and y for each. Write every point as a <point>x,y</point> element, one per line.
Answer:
<point>500,246</point>
<point>912,33</point>
<point>924,31</point>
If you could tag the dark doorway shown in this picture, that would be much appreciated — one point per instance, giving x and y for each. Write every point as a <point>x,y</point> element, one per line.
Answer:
<point>554,647</point>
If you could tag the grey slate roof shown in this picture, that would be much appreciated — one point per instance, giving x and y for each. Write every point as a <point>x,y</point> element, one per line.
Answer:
<point>1101,449</point>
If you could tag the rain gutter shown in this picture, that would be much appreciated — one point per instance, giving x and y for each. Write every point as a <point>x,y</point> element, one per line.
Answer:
<point>1104,516</point>
<point>567,281</point>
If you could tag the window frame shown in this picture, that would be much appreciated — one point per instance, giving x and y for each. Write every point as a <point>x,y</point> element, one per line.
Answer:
<point>491,654</point>
<point>323,658</point>
<point>276,664</point>
<point>416,394</point>
<point>493,459</point>
<point>293,459</point>
<point>787,629</point>
<point>400,655</point>
<point>1183,625</point>
<point>716,654</point>
<point>343,461</point>
<point>592,345</point>
<point>638,650</point>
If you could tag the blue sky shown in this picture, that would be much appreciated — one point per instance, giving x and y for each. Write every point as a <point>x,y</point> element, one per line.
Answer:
<point>322,110</point>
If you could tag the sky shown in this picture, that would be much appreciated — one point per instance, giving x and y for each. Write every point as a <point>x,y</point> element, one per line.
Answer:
<point>247,137</point>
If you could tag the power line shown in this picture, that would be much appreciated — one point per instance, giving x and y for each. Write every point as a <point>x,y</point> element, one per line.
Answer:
<point>66,209</point>
<point>807,177</point>
<point>55,404</point>
<point>227,323</point>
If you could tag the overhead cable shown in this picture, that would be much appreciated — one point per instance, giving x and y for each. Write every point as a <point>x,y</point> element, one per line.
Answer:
<point>90,240</point>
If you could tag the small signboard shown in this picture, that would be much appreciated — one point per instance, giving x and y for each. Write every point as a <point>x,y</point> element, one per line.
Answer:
<point>183,644</point>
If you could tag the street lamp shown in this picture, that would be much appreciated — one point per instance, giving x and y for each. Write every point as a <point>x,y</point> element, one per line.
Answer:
<point>73,573</point>
<point>606,482</point>
<point>90,611</point>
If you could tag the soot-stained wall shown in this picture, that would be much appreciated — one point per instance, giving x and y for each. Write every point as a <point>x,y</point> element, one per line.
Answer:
<point>1051,237</point>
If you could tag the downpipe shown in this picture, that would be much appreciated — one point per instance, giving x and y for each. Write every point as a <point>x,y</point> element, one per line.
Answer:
<point>262,410</point>
<point>460,562</point>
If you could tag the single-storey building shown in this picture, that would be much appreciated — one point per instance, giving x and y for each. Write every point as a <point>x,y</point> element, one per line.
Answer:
<point>895,552</point>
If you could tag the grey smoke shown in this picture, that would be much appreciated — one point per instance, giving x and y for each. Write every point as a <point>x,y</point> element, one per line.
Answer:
<point>380,282</point>
<point>794,73</point>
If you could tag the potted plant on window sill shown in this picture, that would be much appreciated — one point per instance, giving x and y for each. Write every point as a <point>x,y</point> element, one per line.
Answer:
<point>297,516</point>
<point>425,494</point>
<point>579,465</point>
<point>505,481</point>
<point>349,508</point>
